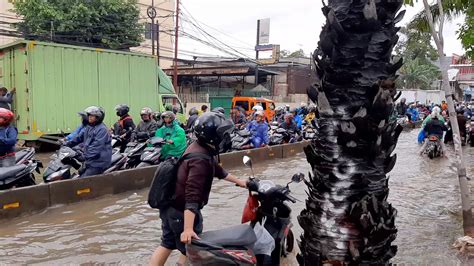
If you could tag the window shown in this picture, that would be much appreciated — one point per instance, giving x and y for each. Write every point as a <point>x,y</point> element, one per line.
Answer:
<point>148,30</point>
<point>263,104</point>
<point>243,104</point>
<point>173,101</point>
<point>272,106</point>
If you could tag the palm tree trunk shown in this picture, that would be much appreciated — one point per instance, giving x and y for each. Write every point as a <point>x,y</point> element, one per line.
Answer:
<point>347,218</point>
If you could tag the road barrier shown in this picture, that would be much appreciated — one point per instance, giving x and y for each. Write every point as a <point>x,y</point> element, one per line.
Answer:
<point>27,200</point>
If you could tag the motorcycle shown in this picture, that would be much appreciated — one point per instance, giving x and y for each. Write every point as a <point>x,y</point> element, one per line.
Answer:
<point>236,245</point>
<point>277,136</point>
<point>240,139</point>
<point>151,155</point>
<point>59,168</point>
<point>433,148</point>
<point>19,175</point>
<point>309,132</point>
<point>133,153</point>
<point>24,155</point>
<point>66,158</point>
<point>471,132</point>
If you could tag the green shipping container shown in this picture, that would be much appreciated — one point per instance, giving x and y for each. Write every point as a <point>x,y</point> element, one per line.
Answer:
<point>54,82</point>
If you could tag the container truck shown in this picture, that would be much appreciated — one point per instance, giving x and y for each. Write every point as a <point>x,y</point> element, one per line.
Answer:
<point>54,82</point>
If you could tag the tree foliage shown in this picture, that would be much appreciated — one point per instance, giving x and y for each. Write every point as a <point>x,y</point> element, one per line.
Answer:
<point>415,47</point>
<point>452,9</point>
<point>101,23</point>
<point>288,54</point>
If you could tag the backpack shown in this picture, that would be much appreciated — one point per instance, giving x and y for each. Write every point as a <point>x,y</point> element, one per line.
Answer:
<point>163,186</point>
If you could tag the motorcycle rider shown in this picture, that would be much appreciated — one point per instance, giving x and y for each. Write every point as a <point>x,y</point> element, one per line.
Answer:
<point>259,130</point>
<point>412,113</point>
<point>80,128</point>
<point>434,127</point>
<point>297,118</point>
<point>279,114</point>
<point>124,126</point>
<point>8,135</point>
<point>401,107</point>
<point>146,128</point>
<point>310,118</point>
<point>289,123</point>
<point>183,221</point>
<point>6,98</point>
<point>174,136</point>
<point>158,120</point>
<point>462,121</point>
<point>193,115</point>
<point>96,141</point>
<point>238,116</point>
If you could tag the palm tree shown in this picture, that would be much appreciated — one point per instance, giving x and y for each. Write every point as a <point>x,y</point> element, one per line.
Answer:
<point>347,218</point>
<point>416,74</point>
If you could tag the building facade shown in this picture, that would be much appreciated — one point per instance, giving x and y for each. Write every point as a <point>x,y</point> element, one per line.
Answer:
<point>165,10</point>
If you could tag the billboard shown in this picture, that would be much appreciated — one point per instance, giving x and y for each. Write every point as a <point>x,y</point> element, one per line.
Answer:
<point>264,31</point>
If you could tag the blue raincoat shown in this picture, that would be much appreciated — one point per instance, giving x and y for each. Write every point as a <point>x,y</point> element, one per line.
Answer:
<point>259,133</point>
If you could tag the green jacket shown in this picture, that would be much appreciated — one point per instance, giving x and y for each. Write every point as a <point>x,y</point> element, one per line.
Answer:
<point>177,135</point>
<point>428,119</point>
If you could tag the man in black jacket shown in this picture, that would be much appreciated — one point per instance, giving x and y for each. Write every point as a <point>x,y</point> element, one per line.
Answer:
<point>182,221</point>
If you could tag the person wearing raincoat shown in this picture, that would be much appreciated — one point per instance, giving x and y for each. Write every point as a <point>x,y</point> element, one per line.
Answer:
<point>259,130</point>
<point>174,136</point>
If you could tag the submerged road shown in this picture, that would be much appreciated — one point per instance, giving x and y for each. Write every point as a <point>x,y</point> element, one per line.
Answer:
<point>123,229</point>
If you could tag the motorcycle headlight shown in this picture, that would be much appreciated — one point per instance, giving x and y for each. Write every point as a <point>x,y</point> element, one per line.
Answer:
<point>57,174</point>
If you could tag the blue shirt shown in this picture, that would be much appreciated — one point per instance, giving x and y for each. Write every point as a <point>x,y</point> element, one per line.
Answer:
<point>259,130</point>
<point>8,137</point>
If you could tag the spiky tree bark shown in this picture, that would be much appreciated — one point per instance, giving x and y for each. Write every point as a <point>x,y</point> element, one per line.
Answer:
<point>347,218</point>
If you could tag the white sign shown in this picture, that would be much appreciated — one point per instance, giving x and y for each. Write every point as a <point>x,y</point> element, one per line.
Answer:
<point>264,31</point>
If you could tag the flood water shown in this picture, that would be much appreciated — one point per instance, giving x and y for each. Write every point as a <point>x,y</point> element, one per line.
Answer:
<point>122,229</point>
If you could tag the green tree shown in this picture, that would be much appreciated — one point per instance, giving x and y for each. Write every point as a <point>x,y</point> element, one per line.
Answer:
<point>416,74</point>
<point>418,71</point>
<point>451,9</point>
<point>297,53</point>
<point>347,219</point>
<point>101,23</point>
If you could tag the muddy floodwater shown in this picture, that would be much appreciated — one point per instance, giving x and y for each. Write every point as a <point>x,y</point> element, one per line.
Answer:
<point>122,229</point>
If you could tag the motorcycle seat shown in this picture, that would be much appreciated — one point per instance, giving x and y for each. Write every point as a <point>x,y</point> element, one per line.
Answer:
<point>11,171</point>
<point>239,235</point>
<point>116,157</point>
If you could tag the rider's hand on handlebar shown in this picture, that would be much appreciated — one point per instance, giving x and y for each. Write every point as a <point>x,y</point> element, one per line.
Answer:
<point>241,183</point>
<point>188,235</point>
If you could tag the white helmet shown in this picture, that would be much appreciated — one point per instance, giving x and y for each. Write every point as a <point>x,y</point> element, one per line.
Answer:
<point>257,108</point>
<point>259,113</point>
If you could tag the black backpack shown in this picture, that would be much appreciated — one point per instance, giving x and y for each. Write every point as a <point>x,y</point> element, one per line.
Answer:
<point>163,186</point>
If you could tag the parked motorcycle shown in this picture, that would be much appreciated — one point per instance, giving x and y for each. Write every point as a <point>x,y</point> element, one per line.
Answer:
<point>236,245</point>
<point>151,155</point>
<point>19,175</point>
<point>309,132</point>
<point>277,137</point>
<point>433,148</point>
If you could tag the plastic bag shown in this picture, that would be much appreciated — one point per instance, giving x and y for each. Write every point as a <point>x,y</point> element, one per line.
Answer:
<point>250,210</point>
<point>265,242</point>
<point>421,136</point>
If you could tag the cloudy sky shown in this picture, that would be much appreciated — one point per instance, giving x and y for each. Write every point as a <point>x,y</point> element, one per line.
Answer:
<point>295,24</point>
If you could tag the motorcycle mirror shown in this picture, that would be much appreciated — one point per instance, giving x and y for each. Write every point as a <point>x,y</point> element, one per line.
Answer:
<point>296,178</point>
<point>247,161</point>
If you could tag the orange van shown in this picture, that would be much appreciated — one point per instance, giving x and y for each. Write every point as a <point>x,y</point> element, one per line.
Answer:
<point>247,103</point>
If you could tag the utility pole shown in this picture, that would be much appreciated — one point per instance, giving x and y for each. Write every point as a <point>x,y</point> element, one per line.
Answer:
<point>152,28</point>
<point>175,72</point>
<point>157,42</point>
<point>256,52</point>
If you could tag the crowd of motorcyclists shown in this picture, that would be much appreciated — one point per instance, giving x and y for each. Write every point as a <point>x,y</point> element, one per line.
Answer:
<point>96,143</point>
<point>434,119</point>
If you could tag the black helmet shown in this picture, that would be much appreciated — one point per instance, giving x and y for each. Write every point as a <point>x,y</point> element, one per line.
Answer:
<point>175,109</point>
<point>193,111</point>
<point>122,109</point>
<point>97,112</point>
<point>214,129</point>
<point>84,119</point>
<point>157,116</point>
<point>219,110</point>
<point>168,114</point>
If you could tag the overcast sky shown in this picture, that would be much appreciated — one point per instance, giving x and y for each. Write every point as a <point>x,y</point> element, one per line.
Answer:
<point>294,24</point>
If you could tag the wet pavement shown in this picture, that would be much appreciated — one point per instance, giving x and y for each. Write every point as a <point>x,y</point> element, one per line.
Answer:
<point>122,229</point>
